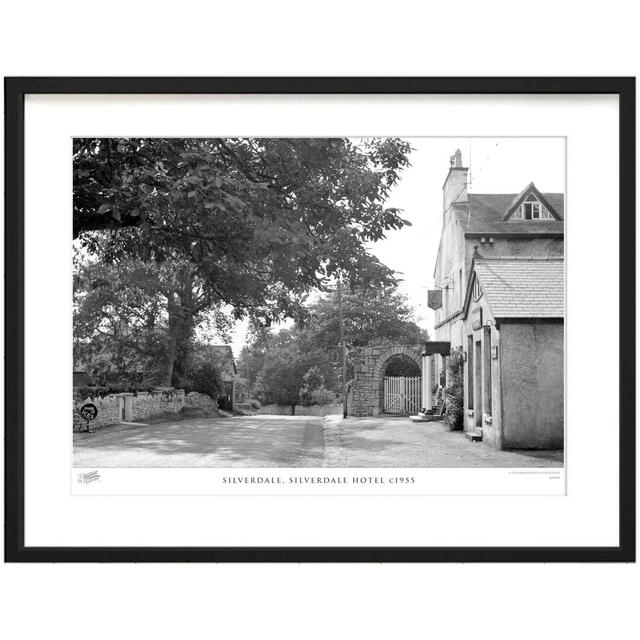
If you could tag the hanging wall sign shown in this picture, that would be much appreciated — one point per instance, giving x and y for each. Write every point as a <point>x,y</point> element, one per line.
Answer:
<point>434,299</point>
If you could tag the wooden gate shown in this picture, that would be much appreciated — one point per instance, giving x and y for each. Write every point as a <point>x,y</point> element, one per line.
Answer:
<point>402,395</point>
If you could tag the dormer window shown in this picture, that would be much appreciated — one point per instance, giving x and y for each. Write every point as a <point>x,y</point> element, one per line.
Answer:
<point>531,209</point>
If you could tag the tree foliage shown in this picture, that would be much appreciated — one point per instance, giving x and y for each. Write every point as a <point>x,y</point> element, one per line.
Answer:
<point>134,322</point>
<point>172,233</point>
<point>301,364</point>
<point>262,221</point>
<point>370,315</point>
<point>314,389</point>
<point>204,377</point>
<point>282,377</point>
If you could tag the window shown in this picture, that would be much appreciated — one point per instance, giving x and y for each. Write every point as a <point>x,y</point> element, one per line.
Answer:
<point>531,209</point>
<point>477,289</point>
<point>461,296</point>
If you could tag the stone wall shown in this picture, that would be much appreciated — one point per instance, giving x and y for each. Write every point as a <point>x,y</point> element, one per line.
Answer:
<point>144,406</point>
<point>366,394</point>
<point>315,410</point>
<point>197,400</point>
<point>108,412</point>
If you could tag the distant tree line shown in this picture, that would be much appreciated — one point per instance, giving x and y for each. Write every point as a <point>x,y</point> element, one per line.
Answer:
<point>302,365</point>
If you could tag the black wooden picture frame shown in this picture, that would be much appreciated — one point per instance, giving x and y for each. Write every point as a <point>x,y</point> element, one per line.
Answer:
<point>15,91</point>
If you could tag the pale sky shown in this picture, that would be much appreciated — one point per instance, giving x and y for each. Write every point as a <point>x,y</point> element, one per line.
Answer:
<point>497,165</point>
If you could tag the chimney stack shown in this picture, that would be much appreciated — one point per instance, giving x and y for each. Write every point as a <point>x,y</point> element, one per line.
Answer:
<point>455,186</point>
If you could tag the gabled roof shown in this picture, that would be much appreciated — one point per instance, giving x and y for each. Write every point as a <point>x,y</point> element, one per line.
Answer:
<point>485,213</point>
<point>520,287</point>
<point>530,189</point>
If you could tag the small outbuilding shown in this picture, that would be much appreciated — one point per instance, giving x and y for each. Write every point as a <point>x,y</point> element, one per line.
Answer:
<point>513,353</point>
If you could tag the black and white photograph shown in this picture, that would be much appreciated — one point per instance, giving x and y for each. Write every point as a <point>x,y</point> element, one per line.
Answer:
<point>320,320</point>
<point>343,302</point>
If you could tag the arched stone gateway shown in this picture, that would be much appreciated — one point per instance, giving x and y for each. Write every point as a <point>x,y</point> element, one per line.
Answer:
<point>366,397</point>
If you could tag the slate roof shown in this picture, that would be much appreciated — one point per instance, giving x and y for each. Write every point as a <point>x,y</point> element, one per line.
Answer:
<point>484,213</point>
<point>523,288</point>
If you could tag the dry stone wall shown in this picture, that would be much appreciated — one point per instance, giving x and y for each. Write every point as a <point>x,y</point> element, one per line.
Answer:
<point>314,410</point>
<point>144,406</point>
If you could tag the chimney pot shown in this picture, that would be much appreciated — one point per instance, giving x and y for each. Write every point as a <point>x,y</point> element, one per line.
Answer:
<point>455,186</point>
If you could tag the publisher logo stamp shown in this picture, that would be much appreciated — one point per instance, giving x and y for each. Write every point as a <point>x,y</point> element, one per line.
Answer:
<point>88,477</point>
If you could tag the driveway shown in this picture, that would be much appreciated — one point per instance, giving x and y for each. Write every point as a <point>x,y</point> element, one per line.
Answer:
<point>293,441</point>
<point>241,441</point>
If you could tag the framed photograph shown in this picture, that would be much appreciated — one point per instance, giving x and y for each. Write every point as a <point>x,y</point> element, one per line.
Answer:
<point>320,319</point>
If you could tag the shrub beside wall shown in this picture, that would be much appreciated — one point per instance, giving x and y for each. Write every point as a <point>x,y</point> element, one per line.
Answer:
<point>454,413</point>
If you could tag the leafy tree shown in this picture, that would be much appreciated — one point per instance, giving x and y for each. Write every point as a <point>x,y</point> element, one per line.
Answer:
<point>205,378</point>
<point>314,390</point>
<point>280,378</point>
<point>134,322</point>
<point>312,381</point>
<point>254,353</point>
<point>370,315</point>
<point>116,329</point>
<point>252,224</point>
<point>261,221</point>
<point>379,316</point>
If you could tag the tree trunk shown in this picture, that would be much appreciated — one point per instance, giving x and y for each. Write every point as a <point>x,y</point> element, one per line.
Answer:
<point>180,313</point>
<point>293,409</point>
<point>172,346</point>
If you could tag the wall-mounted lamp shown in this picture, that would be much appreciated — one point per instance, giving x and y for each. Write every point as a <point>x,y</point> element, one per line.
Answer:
<point>464,356</point>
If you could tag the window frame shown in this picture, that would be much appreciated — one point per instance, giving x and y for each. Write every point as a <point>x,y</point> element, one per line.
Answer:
<point>538,210</point>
